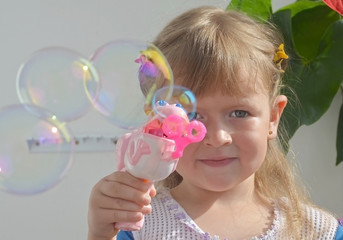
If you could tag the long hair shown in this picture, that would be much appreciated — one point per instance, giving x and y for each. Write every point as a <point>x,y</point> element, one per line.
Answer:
<point>206,48</point>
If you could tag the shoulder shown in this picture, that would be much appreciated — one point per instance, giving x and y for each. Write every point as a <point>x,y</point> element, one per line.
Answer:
<point>323,223</point>
<point>316,223</point>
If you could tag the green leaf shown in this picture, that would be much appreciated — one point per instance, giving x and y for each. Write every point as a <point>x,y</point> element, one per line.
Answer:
<point>322,78</point>
<point>315,82</point>
<point>283,20</point>
<point>308,30</point>
<point>339,141</point>
<point>261,9</point>
<point>300,6</point>
<point>310,20</point>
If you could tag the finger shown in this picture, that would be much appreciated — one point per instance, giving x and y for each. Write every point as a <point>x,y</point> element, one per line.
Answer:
<point>124,186</point>
<point>125,192</point>
<point>113,216</point>
<point>128,179</point>
<point>123,205</point>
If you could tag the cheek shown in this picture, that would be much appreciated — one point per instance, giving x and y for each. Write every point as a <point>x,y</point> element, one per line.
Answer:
<point>252,146</point>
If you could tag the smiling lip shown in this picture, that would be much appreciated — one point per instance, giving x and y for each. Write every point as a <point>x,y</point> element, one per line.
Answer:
<point>217,162</point>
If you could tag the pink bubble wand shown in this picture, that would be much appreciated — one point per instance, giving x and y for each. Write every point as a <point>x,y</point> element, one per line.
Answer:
<point>152,151</point>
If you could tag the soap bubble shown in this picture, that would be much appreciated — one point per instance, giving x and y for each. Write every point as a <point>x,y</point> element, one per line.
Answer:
<point>55,78</point>
<point>130,72</point>
<point>36,149</point>
<point>179,95</point>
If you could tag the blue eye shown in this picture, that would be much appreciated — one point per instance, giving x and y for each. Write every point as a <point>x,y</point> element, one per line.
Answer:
<point>197,116</point>
<point>239,114</point>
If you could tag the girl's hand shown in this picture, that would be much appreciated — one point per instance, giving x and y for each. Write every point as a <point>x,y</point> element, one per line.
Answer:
<point>119,197</point>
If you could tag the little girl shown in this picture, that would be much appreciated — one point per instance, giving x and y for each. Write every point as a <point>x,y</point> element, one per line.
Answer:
<point>236,183</point>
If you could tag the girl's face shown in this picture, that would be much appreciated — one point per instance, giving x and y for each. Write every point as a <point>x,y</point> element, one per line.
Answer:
<point>238,130</point>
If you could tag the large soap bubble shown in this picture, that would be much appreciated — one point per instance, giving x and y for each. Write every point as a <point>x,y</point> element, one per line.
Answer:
<point>55,78</point>
<point>36,149</point>
<point>130,72</point>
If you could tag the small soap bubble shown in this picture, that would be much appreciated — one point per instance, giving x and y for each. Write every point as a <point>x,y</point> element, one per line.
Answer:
<point>130,72</point>
<point>36,149</point>
<point>55,78</point>
<point>180,95</point>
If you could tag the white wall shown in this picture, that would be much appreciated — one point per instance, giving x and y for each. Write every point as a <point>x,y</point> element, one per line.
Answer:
<point>315,149</point>
<point>61,212</point>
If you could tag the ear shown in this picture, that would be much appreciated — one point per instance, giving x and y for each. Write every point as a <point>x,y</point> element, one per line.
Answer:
<point>275,115</point>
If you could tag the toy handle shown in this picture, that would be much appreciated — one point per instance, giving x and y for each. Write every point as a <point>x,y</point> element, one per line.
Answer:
<point>132,226</point>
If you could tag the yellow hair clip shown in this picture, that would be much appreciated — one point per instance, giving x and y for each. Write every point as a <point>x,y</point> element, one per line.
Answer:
<point>279,56</point>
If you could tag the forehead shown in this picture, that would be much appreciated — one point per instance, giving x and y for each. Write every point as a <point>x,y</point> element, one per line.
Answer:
<point>246,89</point>
<point>241,85</point>
<point>217,100</point>
<point>235,77</point>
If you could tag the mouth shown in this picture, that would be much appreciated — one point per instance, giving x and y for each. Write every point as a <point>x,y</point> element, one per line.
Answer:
<point>217,162</point>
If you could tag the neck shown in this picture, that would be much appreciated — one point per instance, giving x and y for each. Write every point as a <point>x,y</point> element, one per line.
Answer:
<point>234,199</point>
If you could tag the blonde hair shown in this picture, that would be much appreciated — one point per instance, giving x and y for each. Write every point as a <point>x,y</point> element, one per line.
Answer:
<point>207,47</point>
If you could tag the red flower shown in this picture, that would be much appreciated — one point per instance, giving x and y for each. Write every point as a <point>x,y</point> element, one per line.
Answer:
<point>336,5</point>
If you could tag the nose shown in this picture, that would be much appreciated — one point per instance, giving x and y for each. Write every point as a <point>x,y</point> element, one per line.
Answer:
<point>217,137</point>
